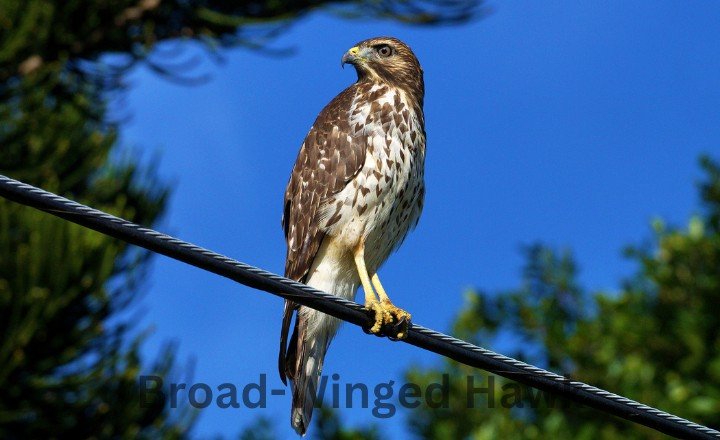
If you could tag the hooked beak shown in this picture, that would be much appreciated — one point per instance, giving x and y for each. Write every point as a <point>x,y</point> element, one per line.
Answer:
<point>352,56</point>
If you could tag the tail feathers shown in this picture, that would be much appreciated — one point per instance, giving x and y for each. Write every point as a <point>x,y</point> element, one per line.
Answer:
<point>286,359</point>
<point>305,383</point>
<point>333,270</point>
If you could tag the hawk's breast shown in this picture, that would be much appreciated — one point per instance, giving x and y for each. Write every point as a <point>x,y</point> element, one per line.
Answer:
<point>384,200</point>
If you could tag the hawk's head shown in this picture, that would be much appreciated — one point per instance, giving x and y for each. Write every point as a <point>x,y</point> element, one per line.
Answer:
<point>388,60</point>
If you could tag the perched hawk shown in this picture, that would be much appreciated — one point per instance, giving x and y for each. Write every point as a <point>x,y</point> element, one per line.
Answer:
<point>354,193</point>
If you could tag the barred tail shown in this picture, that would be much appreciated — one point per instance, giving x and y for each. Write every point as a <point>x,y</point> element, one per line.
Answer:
<point>305,384</point>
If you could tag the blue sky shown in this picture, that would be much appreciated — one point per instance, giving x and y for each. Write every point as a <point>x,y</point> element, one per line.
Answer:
<point>570,123</point>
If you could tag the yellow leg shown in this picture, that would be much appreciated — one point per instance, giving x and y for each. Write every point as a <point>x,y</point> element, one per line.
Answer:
<point>371,300</point>
<point>362,271</point>
<point>386,312</point>
<point>379,288</point>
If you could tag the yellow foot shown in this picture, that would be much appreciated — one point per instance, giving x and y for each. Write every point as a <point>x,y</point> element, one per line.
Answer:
<point>390,320</point>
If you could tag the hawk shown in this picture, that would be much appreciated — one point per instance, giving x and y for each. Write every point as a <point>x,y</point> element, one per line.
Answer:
<point>354,193</point>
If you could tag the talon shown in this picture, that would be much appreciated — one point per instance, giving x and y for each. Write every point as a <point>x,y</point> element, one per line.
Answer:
<point>401,325</point>
<point>368,326</point>
<point>377,314</point>
<point>400,330</point>
<point>397,331</point>
<point>388,320</point>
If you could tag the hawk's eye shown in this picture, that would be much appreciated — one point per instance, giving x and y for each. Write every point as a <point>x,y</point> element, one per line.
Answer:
<point>384,50</point>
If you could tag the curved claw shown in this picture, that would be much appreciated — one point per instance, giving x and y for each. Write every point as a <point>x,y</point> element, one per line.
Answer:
<point>400,329</point>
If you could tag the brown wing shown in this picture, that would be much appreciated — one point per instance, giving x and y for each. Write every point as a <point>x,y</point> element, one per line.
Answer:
<point>328,159</point>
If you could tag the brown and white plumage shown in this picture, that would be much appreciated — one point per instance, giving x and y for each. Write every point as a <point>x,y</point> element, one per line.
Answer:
<point>355,191</point>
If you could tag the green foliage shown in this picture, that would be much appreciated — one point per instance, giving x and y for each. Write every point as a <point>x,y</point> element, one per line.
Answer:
<point>329,427</point>
<point>37,33</point>
<point>65,366</point>
<point>261,428</point>
<point>657,340</point>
